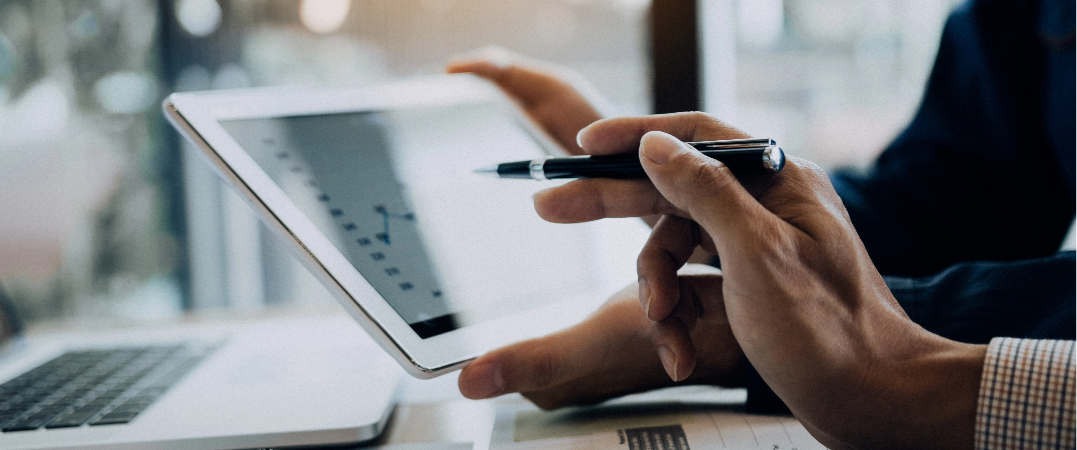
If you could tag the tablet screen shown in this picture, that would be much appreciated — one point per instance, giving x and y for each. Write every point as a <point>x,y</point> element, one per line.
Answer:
<point>396,194</point>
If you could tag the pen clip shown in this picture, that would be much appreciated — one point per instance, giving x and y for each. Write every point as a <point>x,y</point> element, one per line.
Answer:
<point>733,143</point>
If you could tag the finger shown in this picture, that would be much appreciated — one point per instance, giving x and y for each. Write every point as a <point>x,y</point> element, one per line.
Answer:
<point>597,198</point>
<point>700,298</point>
<point>528,85</point>
<point>531,365</point>
<point>526,366</point>
<point>706,189</point>
<point>672,242</point>
<point>607,341</point>
<point>528,81</point>
<point>621,134</point>
<point>673,342</point>
<point>486,68</point>
<point>560,101</point>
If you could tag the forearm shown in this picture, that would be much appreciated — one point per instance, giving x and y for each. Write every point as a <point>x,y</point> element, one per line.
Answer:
<point>927,399</point>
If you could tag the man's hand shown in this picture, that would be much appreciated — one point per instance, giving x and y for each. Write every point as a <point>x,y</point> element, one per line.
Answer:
<point>800,292</point>
<point>608,355</point>
<point>558,100</point>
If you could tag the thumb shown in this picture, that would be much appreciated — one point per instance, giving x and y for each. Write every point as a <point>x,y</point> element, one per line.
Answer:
<point>702,186</point>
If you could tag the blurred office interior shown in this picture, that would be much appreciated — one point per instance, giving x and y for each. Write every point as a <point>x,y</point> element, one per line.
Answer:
<point>106,215</point>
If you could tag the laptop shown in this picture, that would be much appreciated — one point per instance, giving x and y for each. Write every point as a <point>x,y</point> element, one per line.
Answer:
<point>282,382</point>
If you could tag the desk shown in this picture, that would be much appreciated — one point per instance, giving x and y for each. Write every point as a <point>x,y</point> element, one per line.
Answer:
<point>435,411</point>
<point>433,415</point>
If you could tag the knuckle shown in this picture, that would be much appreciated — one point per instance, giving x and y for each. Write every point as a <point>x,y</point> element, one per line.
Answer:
<point>660,205</point>
<point>709,175</point>
<point>697,118</point>
<point>693,123</point>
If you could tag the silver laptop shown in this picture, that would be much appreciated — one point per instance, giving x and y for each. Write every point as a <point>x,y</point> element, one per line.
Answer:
<point>296,381</point>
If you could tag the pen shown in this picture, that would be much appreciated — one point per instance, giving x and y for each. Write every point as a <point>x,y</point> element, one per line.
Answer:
<point>741,155</point>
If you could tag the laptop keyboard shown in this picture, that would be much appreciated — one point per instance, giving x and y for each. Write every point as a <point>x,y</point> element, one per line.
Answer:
<point>95,387</point>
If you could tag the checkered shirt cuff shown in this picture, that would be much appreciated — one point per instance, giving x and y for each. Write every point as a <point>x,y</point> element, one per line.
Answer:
<point>1026,395</point>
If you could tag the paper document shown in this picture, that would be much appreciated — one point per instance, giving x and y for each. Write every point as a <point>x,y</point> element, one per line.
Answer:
<point>691,417</point>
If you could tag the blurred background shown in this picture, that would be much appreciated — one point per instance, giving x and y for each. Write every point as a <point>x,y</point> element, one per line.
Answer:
<point>106,214</point>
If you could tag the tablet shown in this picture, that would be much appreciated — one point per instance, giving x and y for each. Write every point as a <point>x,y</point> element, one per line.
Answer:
<point>374,188</point>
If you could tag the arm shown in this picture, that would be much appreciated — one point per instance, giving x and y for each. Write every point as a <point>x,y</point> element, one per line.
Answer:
<point>801,296</point>
<point>977,192</point>
<point>562,369</point>
<point>984,171</point>
<point>977,301</point>
<point>608,355</point>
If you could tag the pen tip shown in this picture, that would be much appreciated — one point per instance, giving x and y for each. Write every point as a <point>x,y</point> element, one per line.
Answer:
<point>488,170</point>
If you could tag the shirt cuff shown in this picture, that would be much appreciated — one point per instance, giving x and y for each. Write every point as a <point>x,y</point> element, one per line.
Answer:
<point>1026,395</point>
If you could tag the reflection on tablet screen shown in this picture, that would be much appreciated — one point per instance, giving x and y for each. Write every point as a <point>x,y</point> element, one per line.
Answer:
<point>394,192</point>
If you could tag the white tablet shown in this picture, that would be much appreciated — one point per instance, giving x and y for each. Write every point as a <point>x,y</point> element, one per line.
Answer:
<point>374,187</point>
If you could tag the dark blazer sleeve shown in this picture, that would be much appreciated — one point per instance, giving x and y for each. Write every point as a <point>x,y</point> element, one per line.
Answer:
<point>976,301</point>
<point>985,171</point>
<point>965,211</point>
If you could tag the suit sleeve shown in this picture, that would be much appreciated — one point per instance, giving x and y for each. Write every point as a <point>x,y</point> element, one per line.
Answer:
<point>982,172</point>
<point>965,211</point>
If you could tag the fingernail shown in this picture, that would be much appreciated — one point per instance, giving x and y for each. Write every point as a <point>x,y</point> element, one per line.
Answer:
<point>579,137</point>
<point>660,147</point>
<point>669,361</point>
<point>645,296</point>
<point>487,381</point>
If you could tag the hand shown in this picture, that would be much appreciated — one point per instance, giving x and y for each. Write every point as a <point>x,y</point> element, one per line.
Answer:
<point>801,294</point>
<point>608,355</point>
<point>559,101</point>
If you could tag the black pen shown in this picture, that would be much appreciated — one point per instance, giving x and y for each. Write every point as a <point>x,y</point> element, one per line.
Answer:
<point>741,155</point>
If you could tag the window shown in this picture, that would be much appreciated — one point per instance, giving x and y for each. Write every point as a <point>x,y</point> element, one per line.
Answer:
<point>106,214</point>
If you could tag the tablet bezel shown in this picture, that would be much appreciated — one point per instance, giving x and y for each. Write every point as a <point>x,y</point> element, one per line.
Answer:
<point>198,116</point>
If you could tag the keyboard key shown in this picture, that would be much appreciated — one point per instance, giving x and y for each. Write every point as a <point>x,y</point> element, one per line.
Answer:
<point>114,418</point>
<point>31,422</point>
<point>71,420</point>
<point>140,400</point>
<point>68,421</point>
<point>75,387</point>
<point>74,418</point>
<point>20,426</point>
<point>129,408</point>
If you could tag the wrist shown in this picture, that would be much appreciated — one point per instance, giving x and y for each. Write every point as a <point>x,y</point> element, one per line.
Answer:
<point>939,392</point>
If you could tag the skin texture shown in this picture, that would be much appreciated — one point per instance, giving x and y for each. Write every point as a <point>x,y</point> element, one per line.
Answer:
<point>552,97</point>
<point>611,353</point>
<point>799,298</point>
<point>608,355</point>
<point>799,291</point>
